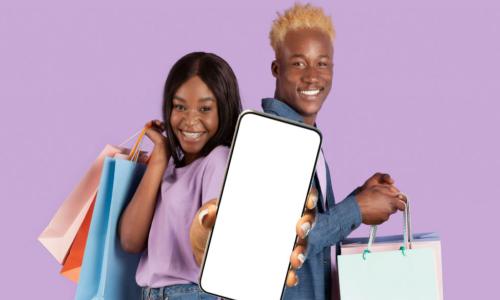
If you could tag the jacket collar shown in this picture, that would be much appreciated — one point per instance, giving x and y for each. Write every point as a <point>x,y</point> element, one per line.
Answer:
<point>280,108</point>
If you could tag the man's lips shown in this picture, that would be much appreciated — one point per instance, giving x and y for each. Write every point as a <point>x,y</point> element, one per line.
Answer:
<point>310,91</point>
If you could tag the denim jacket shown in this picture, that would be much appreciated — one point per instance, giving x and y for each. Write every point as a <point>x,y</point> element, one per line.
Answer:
<point>332,226</point>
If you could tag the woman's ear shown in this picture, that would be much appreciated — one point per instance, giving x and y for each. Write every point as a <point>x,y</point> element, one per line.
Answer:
<point>275,68</point>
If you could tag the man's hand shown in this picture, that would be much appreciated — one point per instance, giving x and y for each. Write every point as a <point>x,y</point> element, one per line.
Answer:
<point>378,198</point>
<point>375,179</point>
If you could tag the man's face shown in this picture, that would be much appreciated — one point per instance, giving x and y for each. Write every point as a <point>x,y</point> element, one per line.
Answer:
<point>304,70</point>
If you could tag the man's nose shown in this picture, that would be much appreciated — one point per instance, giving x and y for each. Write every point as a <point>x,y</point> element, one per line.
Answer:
<point>310,75</point>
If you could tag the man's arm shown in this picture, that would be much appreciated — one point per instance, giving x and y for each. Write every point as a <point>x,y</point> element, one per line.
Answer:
<point>334,225</point>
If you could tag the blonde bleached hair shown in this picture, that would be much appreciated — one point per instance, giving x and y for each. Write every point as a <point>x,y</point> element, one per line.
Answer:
<point>298,17</point>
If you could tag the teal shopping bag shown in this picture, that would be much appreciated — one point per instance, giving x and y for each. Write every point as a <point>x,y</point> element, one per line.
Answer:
<point>107,271</point>
<point>409,273</point>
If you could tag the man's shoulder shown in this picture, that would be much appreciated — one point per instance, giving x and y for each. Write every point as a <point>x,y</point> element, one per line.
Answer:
<point>281,109</point>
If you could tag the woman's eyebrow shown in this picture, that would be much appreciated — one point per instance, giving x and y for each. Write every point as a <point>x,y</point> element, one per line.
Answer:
<point>209,98</point>
<point>179,98</point>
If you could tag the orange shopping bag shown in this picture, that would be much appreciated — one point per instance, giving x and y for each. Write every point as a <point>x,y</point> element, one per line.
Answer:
<point>73,264</point>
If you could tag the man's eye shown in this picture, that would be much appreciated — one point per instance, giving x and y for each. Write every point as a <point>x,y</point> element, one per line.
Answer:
<point>179,107</point>
<point>323,64</point>
<point>298,64</point>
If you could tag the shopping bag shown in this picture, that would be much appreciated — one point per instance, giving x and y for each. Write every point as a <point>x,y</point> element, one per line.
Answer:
<point>60,233</point>
<point>107,271</point>
<point>406,267</point>
<point>73,262</point>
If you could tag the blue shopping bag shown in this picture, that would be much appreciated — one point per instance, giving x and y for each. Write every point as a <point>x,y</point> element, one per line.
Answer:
<point>107,271</point>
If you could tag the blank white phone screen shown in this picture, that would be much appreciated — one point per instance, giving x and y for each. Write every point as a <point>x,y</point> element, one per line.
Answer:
<point>269,172</point>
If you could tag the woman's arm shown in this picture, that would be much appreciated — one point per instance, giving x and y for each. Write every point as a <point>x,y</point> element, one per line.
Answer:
<point>138,215</point>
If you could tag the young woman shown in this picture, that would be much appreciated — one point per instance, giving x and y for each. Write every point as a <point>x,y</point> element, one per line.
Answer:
<point>201,105</point>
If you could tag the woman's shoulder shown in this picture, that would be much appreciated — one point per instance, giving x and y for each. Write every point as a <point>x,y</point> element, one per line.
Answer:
<point>218,154</point>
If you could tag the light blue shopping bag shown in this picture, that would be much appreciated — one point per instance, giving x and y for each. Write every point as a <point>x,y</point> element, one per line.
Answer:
<point>107,271</point>
<point>409,271</point>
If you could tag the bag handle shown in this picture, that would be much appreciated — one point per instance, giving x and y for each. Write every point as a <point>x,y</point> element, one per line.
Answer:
<point>407,235</point>
<point>136,149</point>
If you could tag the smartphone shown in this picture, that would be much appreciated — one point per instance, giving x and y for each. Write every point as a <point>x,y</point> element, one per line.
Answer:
<point>270,169</point>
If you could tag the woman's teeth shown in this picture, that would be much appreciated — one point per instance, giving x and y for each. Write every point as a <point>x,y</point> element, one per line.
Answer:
<point>310,92</point>
<point>191,135</point>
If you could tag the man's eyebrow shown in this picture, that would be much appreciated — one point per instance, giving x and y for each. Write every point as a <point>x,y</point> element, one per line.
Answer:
<point>303,56</point>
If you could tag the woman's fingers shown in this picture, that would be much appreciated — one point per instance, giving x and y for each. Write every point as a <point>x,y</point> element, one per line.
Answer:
<point>304,225</point>
<point>207,213</point>
<point>297,257</point>
<point>200,228</point>
<point>312,198</point>
<point>292,279</point>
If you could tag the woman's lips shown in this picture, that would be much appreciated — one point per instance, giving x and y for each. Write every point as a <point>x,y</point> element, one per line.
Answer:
<point>191,135</point>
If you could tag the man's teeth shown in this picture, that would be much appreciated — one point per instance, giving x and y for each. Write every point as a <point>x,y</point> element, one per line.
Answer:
<point>310,92</point>
<point>191,135</point>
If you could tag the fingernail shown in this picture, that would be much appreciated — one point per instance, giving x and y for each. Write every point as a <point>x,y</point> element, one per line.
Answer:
<point>202,215</point>
<point>301,258</point>
<point>296,281</point>
<point>314,200</point>
<point>314,224</point>
<point>306,227</point>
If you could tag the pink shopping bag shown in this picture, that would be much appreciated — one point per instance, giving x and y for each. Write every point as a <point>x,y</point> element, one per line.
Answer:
<point>59,234</point>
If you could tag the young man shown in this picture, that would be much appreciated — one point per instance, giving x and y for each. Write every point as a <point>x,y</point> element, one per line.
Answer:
<point>302,39</point>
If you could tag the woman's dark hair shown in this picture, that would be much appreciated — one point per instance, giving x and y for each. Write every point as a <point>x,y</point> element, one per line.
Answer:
<point>220,79</point>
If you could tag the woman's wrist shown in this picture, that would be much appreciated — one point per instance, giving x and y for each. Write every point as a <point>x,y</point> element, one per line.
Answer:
<point>159,155</point>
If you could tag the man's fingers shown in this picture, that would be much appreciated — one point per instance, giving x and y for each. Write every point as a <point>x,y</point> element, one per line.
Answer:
<point>312,199</point>
<point>401,205</point>
<point>297,257</point>
<point>386,178</point>
<point>292,279</point>
<point>388,190</point>
<point>403,197</point>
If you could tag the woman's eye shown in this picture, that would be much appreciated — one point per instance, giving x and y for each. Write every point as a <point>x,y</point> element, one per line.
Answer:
<point>179,107</point>
<point>205,109</point>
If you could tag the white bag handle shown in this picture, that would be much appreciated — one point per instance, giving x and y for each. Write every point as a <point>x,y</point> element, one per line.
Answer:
<point>407,236</point>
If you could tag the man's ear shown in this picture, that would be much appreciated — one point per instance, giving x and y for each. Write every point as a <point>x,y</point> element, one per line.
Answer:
<point>275,68</point>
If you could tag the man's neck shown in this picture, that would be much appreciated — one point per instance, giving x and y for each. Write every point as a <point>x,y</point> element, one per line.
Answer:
<point>309,120</point>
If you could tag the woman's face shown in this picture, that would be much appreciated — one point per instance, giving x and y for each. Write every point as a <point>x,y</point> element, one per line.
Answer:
<point>194,117</point>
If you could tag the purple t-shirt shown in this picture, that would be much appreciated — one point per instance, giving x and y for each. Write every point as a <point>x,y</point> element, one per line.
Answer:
<point>168,258</point>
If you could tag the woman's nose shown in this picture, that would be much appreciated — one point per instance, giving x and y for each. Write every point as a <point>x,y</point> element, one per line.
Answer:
<point>192,118</point>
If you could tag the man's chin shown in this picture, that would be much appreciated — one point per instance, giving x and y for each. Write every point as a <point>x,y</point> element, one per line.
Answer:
<point>308,109</point>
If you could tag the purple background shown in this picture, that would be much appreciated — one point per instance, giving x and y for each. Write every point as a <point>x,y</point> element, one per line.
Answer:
<point>416,93</point>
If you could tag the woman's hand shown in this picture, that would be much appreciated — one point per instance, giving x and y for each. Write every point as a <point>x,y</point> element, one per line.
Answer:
<point>161,151</point>
<point>303,227</point>
<point>204,221</point>
<point>201,226</point>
